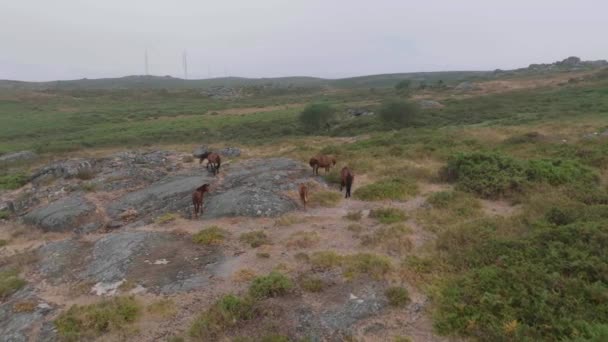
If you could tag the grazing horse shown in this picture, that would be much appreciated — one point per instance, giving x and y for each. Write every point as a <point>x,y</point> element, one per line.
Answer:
<point>304,194</point>
<point>347,180</point>
<point>323,161</point>
<point>213,160</point>
<point>197,199</point>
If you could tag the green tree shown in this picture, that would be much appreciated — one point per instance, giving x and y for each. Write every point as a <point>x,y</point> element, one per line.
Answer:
<point>403,85</point>
<point>398,112</point>
<point>317,115</point>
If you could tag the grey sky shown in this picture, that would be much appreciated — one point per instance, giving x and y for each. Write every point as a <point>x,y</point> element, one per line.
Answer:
<point>66,39</point>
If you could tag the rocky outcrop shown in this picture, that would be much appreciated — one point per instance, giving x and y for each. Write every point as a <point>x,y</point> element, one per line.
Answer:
<point>16,325</point>
<point>20,156</point>
<point>256,188</point>
<point>173,193</point>
<point>72,213</point>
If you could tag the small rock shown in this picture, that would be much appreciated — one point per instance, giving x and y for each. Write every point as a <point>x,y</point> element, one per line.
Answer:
<point>161,262</point>
<point>429,104</point>
<point>230,152</point>
<point>107,289</point>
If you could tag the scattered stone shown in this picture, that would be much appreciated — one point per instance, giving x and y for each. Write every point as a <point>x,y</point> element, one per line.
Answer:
<point>82,168</point>
<point>107,289</point>
<point>20,156</point>
<point>65,215</point>
<point>465,86</point>
<point>359,112</point>
<point>430,104</point>
<point>230,152</point>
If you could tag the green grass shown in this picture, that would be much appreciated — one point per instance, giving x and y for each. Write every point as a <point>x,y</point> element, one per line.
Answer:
<point>393,240</point>
<point>166,218</point>
<point>90,321</point>
<point>4,215</point>
<point>388,215</point>
<point>391,189</point>
<point>325,198</point>
<point>354,265</point>
<point>311,283</point>
<point>10,283</point>
<point>274,284</point>
<point>255,239</point>
<point>13,181</point>
<point>210,236</point>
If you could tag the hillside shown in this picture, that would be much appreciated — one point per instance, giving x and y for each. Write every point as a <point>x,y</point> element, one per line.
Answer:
<point>479,209</point>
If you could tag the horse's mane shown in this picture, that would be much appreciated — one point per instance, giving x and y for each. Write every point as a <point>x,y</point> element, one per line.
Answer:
<point>204,187</point>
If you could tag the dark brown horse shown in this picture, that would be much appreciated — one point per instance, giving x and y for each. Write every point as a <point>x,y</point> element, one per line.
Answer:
<point>197,198</point>
<point>213,161</point>
<point>303,194</point>
<point>348,177</point>
<point>323,161</point>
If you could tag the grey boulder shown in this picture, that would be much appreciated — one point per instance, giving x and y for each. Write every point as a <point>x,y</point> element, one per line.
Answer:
<point>64,215</point>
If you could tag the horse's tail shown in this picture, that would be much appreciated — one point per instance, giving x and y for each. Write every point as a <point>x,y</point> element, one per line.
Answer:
<point>219,163</point>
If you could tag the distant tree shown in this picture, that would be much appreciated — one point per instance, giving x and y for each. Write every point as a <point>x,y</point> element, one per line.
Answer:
<point>422,85</point>
<point>317,115</point>
<point>440,84</point>
<point>403,85</point>
<point>398,112</point>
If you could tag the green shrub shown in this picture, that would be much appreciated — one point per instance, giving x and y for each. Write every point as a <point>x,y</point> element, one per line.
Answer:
<point>311,283</point>
<point>263,255</point>
<point>390,189</point>
<point>303,239</point>
<point>489,175</point>
<point>398,112</point>
<point>388,215</point>
<point>10,282</point>
<point>548,284</point>
<point>89,321</point>
<point>397,296</point>
<point>393,239</point>
<point>317,115</point>
<point>226,313</point>
<point>3,242</point>
<point>274,284</point>
<point>325,260</point>
<point>558,172</point>
<point>4,215</point>
<point>372,265</point>
<point>13,181</point>
<point>210,236</point>
<point>354,215</point>
<point>255,239</point>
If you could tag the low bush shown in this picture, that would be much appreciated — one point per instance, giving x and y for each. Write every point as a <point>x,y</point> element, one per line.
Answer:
<point>226,313</point>
<point>397,296</point>
<point>398,113</point>
<point>303,240</point>
<point>388,215</point>
<point>255,239</point>
<point>354,215</point>
<point>393,239</point>
<point>372,265</point>
<point>547,284</point>
<point>166,218</point>
<point>317,115</point>
<point>210,236</point>
<point>397,189</point>
<point>489,175</point>
<point>311,283</point>
<point>274,284</point>
<point>87,322</point>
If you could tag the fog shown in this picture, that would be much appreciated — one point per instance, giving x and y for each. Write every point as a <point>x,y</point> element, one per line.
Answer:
<point>68,39</point>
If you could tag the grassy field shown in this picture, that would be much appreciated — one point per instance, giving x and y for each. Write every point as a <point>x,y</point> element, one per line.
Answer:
<point>536,273</point>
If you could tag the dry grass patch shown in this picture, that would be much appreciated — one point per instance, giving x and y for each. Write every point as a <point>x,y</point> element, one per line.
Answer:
<point>393,239</point>
<point>446,208</point>
<point>287,220</point>
<point>354,265</point>
<point>10,282</point>
<point>397,296</point>
<point>303,240</point>
<point>397,189</point>
<point>163,308</point>
<point>255,239</point>
<point>243,275</point>
<point>354,215</point>
<point>325,198</point>
<point>24,306</point>
<point>311,283</point>
<point>166,218</point>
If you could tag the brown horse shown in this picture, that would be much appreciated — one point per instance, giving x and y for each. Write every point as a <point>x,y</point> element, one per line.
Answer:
<point>347,177</point>
<point>197,199</point>
<point>213,160</point>
<point>304,194</point>
<point>323,161</point>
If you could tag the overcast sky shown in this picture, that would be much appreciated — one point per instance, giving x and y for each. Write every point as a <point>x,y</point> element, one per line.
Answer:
<point>68,39</point>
